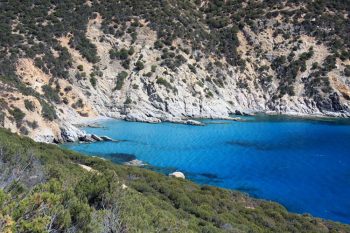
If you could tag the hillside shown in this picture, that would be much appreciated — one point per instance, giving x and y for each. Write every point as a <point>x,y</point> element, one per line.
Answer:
<point>151,60</point>
<point>47,189</point>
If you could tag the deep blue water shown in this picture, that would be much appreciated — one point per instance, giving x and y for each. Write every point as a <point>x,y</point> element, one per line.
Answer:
<point>302,164</point>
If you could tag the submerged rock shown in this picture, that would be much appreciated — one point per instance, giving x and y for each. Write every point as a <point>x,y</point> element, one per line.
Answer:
<point>121,158</point>
<point>135,162</point>
<point>177,175</point>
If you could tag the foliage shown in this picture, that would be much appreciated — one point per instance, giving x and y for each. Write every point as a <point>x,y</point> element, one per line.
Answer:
<point>18,115</point>
<point>120,80</point>
<point>51,94</point>
<point>85,47</point>
<point>29,105</point>
<point>165,83</point>
<point>139,65</point>
<point>48,111</point>
<point>93,81</point>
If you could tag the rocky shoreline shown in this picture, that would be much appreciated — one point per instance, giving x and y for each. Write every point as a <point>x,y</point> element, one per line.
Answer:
<point>71,132</point>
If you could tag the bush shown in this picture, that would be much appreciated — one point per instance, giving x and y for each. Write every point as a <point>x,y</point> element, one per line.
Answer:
<point>139,65</point>
<point>192,68</point>
<point>29,105</point>
<point>80,67</point>
<point>18,115</point>
<point>93,81</point>
<point>347,71</point>
<point>51,94</point>
<point>85,47</point>
<point>48,111</point>
<point>78,104</point>
<point>120,80</point>
<point>165,83</point>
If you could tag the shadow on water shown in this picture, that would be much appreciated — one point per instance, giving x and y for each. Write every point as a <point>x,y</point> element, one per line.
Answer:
<point>290,142</point>
<point>253,192</point>
<point>341,214</point>
<point>286,118</point>
<point>120,158</point>
<point>255,145</point>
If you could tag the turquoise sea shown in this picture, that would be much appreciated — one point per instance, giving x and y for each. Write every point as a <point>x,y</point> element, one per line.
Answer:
<point>302,164</point>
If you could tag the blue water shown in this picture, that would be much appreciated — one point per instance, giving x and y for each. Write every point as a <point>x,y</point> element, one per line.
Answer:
<point>302,164</point>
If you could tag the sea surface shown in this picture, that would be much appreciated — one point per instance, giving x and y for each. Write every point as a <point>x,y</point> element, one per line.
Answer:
<point>301,164</point>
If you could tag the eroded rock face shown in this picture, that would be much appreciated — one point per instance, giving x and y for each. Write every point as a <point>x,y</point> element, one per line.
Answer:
<point>70,133</point>
<point>202,86</point>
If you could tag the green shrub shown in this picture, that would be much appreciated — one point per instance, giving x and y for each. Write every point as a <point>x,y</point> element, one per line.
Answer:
<point>120,80</point>
<point>192,68</point>
<point>51,94</point>
<point>29,105</point>
<point>153,68</point>
<point>139,65</point>
<point>163,82</point>
<point>18,115</point>
<point>48,111</point>
<point>85,47</point>
<point>93,81</point>
<point>80,67</point>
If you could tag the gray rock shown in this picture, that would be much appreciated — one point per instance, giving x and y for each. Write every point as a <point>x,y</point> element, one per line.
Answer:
<point>70,133</point>
<point>86,138</point>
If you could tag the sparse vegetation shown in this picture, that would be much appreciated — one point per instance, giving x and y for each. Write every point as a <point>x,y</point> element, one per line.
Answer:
<point>18,115</point>
<point>27,30</point>
<point>51,94</point>
<point>48,111</point>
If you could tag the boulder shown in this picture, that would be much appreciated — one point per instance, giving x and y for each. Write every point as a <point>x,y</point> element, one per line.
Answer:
<point>70,133</point>
<point>177,175</point>
<point>86,138</point>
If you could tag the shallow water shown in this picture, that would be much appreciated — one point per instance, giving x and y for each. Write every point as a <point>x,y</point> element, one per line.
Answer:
<point>302,164</point>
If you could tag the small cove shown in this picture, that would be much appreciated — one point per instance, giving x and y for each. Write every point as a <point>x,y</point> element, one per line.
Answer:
<point>302,164</point>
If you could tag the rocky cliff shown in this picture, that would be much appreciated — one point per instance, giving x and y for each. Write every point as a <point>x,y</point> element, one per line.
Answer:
<point>155,61</point>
